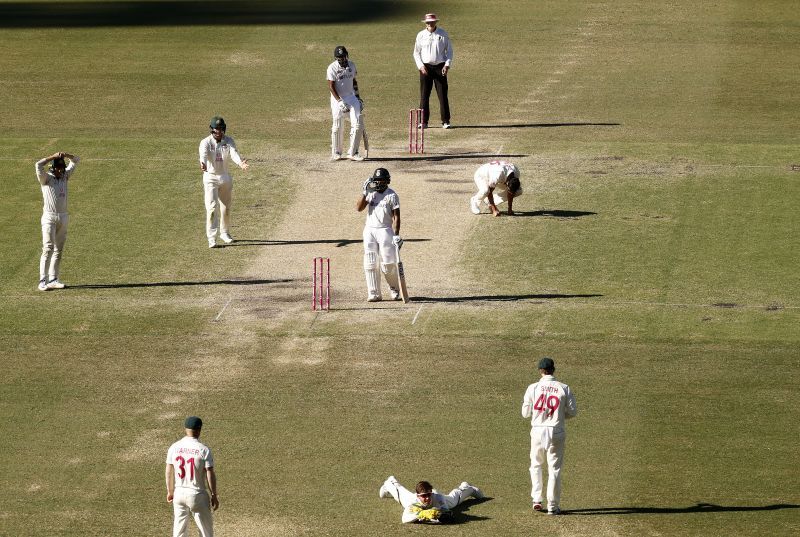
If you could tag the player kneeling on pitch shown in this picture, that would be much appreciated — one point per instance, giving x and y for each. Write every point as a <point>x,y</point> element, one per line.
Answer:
<point>497,181</point>
<point>427,506</point>
<point>381,234</point>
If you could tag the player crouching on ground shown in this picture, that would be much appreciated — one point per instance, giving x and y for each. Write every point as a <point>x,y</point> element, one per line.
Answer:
<point>427,506</point>
<point>381,233</point>
<point>497,181</point>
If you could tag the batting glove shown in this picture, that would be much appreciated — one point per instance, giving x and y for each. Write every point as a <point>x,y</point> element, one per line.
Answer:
<point>398,241</point>
<point>343,107</point>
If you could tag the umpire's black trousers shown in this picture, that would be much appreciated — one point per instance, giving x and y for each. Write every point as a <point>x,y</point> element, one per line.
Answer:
<point>426,83</point>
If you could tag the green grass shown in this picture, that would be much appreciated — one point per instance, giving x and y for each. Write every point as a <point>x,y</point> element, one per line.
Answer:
<point>655,261</point>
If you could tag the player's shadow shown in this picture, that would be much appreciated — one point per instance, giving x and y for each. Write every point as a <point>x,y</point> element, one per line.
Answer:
<point>459,515</point>
<point>535,125</point>
<point>340,243</point>
<point>697,508</point>
<point>173,284</point>
<point>439,157</point>
<point>498,298</point>
<point>555,213</point>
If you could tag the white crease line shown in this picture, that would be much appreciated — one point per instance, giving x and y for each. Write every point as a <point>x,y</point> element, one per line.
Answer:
<point>216,319</point>
<point>417,315</point>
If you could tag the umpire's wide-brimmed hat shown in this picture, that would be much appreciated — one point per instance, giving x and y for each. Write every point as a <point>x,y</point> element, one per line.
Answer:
<point>430,17</point>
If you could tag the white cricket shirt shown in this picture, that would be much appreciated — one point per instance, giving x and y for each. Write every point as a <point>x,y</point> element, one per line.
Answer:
<point>342,78</point>
<point>190,458</point>
<point>496,172</point>
<point>549,403</point>
<point>380,206</point>
<point>54,191</point>
<point>216,155</point>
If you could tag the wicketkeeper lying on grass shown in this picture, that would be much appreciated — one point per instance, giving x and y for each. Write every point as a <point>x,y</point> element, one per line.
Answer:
<point>427,506</point>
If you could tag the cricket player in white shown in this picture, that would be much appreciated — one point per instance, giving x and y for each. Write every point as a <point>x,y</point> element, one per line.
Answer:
<point>428,505</point>
<point>497,181</point>
<point>548,404</point>
<point>54,216</point>
<point>191,481</point>
<point>215,151</point>
<point>343,88</point>
<point>381,233</point>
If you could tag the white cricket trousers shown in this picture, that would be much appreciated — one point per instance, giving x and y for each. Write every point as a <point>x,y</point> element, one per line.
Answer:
<point>379,240</point>
<point>547,447</point>
<point>54,236</point>
<point>218,196</point>
<point>191,503</point>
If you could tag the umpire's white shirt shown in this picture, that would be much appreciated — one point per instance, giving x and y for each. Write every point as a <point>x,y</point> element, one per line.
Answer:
<point>342,78</point>
<point>215,155</point>
<point>380,206</point>
<point>433,48</point>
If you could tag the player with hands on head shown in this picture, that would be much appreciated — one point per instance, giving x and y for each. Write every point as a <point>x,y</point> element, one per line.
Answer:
<point>345,101</point>
<point>54,215</point>
<point>215,151</point>
<point>427,505</point>
<point>381,233</point>
<point>548,403</point>
<point>497,181</point>
<point>191,481</point>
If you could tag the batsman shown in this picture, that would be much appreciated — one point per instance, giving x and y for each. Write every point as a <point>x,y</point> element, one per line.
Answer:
<point>381,234</point>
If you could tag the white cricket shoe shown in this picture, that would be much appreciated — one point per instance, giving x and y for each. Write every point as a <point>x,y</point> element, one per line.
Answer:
<point>554,511</point>
<point>395,293</point>
<point>355,157</point>
<point>383,492</point>
<point>476,491</point>
<point>374,298</point>
<point>212,243</point>
<point>55,284</point>
<point>43,285</point>
<point>474,206</point>
<point>445,125</point>
<point>537,506</point>
<point>336,156</point>
<point>226,238</point>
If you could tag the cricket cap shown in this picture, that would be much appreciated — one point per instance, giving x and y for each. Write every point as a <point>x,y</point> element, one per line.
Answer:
<point>545,363</point>
<point>194,423</point>
<point>430,17</point>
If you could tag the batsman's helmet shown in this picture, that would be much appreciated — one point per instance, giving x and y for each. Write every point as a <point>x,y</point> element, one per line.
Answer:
<point>58,163</point>
<point>340,52</point>
<point>217,123</point>
<point>382,174</point>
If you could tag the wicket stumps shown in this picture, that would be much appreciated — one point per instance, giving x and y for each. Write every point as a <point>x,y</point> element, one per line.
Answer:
<point>321,280</point>
<point>416,130</point>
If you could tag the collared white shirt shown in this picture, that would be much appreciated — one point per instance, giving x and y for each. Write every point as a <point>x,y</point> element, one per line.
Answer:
<point>342,78</point>
<point>54,190</point>
<point>380,206</point>
<point>549,403</point>
<point>216,154</point>
<point>190,458</point>
<point>433,48</point>
<point>496,173</point>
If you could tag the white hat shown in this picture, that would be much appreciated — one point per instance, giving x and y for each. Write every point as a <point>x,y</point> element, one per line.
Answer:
<point>430,17</point>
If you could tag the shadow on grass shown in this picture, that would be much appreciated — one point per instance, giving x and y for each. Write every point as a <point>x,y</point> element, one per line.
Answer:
<point>268,242</point>
<point>458,514</point>
<point>497,298</point>
<point>534,125</point>
<point>94,13</point>
<point>441,157</point>
<point>172,284</point>
<point>699,508</point>
<point>555,213</point>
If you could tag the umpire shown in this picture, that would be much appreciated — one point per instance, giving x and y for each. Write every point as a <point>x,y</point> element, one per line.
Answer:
<point>433,54</point>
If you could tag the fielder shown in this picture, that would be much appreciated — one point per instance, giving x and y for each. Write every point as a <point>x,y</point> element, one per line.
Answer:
<point>381,234</point>
<point>215,151</point>
<point>54,216</point>
<point>345,100</point>
<point>497,181</point>
<point>427,506</point>
<point>548,403</point>
<point>191,481</point>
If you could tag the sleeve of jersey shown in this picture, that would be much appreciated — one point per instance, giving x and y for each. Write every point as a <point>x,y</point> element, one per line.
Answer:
<point>169,456</point>
<point>329,73</point>
<point>527,403</point>
<point>395,201</point>
<point>235,156</point>
<point>209,459</point>
<point>41,175</point>
<point>572,406</point>
<point>203,150</point>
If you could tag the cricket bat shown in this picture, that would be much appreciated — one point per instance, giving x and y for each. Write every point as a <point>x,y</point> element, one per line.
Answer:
<point>366,143</point>
<point>401,277</point>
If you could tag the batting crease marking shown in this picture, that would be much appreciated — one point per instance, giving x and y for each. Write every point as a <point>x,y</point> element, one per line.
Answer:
<point>417,315</point>
<point>216,319</point>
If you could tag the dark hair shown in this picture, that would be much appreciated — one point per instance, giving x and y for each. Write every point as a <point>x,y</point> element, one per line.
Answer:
<point>424,486</point>
<point>512,183</point>
<point>58,162</point>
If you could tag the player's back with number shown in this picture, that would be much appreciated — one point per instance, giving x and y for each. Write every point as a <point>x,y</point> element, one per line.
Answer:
<point>190,458</point>
<point>549,403</point>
